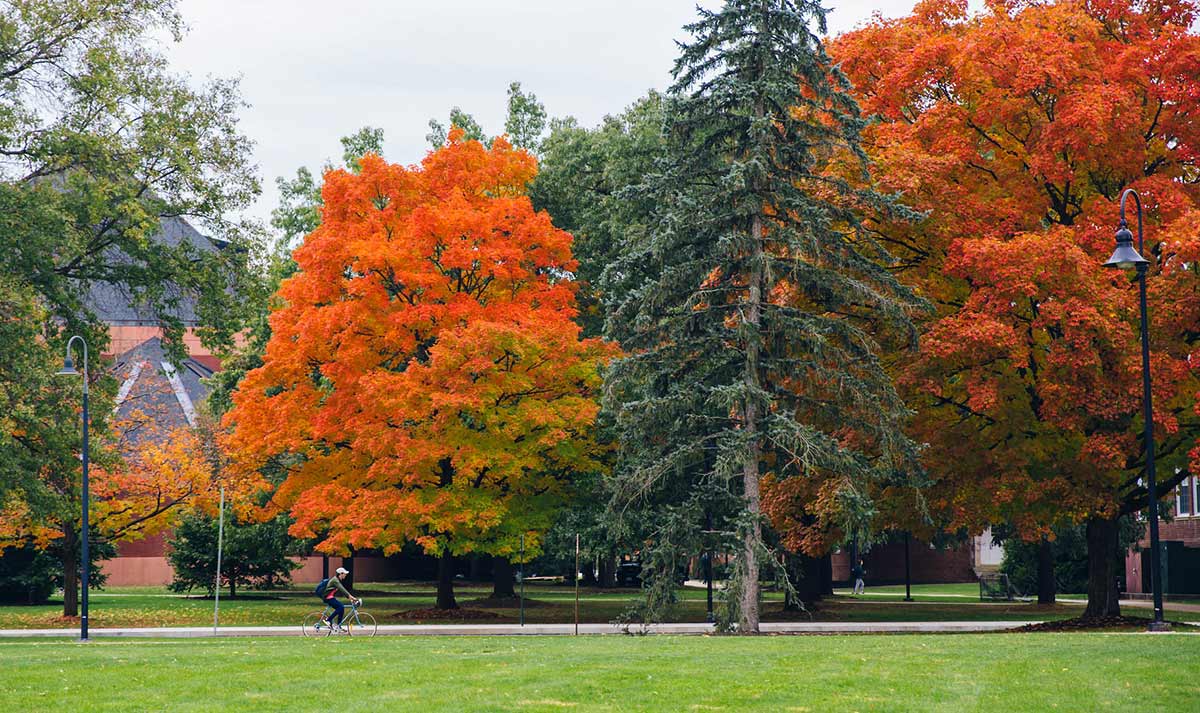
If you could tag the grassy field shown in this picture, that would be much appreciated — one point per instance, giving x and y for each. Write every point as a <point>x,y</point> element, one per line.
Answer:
<point>1009,672</point>
<point>147,606</point>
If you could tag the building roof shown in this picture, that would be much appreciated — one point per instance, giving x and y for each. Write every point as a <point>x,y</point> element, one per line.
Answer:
<point>155,396</point>
<point>116,304</point>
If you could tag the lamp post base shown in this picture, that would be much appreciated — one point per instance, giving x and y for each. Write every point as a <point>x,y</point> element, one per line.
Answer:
<point>1159,626</point>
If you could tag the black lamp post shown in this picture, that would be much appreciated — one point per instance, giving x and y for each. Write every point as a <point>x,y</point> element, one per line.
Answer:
<point>1126,257</point>
<point>69,370</point>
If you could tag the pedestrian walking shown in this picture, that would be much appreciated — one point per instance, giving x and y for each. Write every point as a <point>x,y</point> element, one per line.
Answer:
<point>859,572</point>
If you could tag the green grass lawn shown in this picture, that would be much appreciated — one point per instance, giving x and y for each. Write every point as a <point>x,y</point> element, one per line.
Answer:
<point>1008,672</point>
<point>152,606</point>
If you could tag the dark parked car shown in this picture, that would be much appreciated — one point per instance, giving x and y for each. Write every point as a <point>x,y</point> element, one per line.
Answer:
<point>629,574</point>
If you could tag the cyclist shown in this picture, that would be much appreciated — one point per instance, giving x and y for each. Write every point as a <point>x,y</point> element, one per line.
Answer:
<point>330,597</point>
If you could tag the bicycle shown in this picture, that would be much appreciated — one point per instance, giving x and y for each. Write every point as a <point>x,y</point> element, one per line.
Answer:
<point>354,623</point>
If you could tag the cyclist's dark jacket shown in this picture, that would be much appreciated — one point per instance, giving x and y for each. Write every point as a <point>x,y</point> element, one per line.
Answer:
<point>331,591</point>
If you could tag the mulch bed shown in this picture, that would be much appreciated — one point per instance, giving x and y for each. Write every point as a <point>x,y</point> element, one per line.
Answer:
<point>446,614</point>
<point>1104,623</point>
<point>504,603</point>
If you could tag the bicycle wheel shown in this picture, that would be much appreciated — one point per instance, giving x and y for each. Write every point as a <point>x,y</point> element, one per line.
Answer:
<point>314,626</point>
<point>361,624</point>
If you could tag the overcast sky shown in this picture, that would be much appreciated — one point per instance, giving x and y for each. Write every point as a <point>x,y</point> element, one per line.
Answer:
<point>315,70</point>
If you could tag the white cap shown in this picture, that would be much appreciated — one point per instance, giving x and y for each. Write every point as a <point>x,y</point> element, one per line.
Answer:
<point>342,570</point>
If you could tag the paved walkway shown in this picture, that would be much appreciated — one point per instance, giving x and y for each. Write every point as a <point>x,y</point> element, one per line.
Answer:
<point>905,627</point>
<point>1168,606</point>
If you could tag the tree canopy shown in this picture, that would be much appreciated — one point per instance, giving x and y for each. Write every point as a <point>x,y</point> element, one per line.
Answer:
<point>1017,129</point>
<point>423,365</point>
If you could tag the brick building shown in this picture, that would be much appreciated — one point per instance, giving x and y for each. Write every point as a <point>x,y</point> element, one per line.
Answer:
<point>928,564</point>
<point>1179,538</point>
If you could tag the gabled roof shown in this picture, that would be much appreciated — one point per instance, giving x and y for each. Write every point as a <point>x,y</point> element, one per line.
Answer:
<point>116,303</point>
<point>156,396</point>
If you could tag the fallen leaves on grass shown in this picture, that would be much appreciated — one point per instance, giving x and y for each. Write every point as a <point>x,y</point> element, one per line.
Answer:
<point>504,603</point>
<point>445,614</point>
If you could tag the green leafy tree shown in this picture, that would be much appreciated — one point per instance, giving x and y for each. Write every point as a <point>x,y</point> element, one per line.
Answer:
<point>754,332</point>
<point>253,554</point>
<point>103,150</point>
<point>583,183</point>
<point>526,120</point>
<point>472,131</point>
<point>525,123</point>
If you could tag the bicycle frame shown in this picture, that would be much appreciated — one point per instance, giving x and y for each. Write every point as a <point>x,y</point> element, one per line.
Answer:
<point>349,618</point>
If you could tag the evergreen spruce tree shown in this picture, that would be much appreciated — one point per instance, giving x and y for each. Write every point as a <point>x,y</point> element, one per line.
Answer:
<point>762,302</point>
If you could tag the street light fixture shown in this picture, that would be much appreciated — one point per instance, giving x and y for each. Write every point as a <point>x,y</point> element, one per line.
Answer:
<point>1125,257</point>
<point>69,370</point>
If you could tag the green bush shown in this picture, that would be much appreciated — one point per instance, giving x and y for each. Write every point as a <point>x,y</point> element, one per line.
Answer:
<point>26,575</point>
<point>254,554</point>
<point>29,575</point>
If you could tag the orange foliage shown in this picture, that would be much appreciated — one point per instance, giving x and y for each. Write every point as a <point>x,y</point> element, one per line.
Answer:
<point>1017,129</point>
<point>424,371</point>
<point>142,476</point>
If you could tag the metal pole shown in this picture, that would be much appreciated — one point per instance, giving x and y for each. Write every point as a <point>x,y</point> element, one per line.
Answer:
<point>907,572</point>
<point>220,537</point>
<point>708,572</point>
<point>84,530</point>
<point>522,576</point>
<point>1151,486</point>
<point>577,584</point>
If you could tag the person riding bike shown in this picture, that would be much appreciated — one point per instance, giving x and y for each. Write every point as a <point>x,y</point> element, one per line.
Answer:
<point>333,584</point>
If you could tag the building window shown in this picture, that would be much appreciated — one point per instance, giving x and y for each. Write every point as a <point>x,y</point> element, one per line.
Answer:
<point>1184,502</point>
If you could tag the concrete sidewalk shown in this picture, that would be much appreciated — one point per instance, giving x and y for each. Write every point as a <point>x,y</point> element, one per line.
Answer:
<point>1168,606</point>
<point>901,627</point>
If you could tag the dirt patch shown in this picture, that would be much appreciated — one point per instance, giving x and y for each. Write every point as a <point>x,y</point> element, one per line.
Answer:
<point>446,614</point>
<point>1105,623</point>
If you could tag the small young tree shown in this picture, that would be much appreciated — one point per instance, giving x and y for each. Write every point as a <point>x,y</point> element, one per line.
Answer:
<point>253,554</point>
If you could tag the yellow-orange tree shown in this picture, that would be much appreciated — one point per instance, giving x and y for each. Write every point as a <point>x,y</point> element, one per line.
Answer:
<point>1017,129</point>
<point>424,371</point>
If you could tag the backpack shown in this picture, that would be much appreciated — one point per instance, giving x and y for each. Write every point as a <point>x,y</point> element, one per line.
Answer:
<point>320,590</point>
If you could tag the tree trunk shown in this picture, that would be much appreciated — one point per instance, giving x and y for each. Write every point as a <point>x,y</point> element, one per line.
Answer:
<point>475,572</point>
<point>748,610</point>
<point>608,571</point>
<point>70,563</point>
<point>502,579</point>
<point>806,577</point>
<point>445,588</point>
<point>827,575</point>
<point>1103,597</point>
<point>588,578</point>
<point>1046,585</point>
<point>232,589</point>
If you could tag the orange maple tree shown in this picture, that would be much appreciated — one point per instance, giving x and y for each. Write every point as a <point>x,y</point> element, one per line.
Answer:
<point>1017,128</point>
<point>424,374</point>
